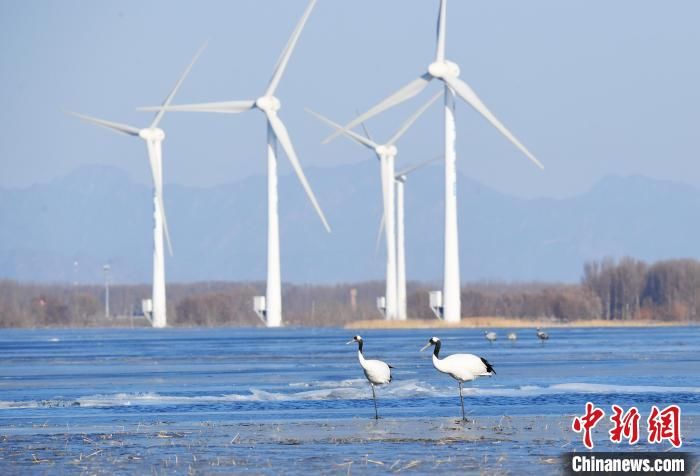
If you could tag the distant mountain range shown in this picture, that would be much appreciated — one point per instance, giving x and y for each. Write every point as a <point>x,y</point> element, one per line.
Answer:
<point>97,215</point>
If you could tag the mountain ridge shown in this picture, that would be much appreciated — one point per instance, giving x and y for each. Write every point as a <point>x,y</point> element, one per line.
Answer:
<point>98,214</point>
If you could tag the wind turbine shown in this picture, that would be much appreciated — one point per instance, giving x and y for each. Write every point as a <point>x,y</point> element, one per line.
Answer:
<point>447,72</point>
<point>400,180</point>
<point>386,153</point>
<point>153,136</point>
<point>269,308</point>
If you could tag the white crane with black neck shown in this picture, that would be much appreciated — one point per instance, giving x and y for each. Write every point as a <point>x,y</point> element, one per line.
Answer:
<point>376,371</point>
<point>461,367</point>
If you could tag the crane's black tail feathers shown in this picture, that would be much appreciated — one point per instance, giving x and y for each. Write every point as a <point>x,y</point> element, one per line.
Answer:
<point>489,367</point>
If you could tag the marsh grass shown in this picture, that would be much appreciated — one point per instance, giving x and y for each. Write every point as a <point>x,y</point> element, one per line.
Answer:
<point>503,322</point>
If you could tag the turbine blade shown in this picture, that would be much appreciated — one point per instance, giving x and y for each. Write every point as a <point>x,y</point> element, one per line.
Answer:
<point>287,52</point>
<point>353,135</point>
<point>284,140</point>
<point>415,167</point>
<point>440,52</point>
<point>466,93</point>
<point>403,94</point>
<point>153,152</point>
<point>229,107</point>
<point>380,233</point>
<point>114,126</point>
<point>168,100</point>
<point>409,122</point>
<point>161,210</point>
<point>365,130</point>
<point>368,136</point>
<point>165,223</point>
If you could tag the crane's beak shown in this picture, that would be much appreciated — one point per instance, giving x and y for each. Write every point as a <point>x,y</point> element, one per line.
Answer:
<point>426,346</point>
<point>349,342</point>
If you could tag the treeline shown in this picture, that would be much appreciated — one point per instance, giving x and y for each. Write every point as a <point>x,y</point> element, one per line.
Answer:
<point>632,289</point>
<point>609,289</point>
<point>196,304</point>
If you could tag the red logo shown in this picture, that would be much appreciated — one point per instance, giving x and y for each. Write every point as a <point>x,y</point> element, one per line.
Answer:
<point>626,425</point>
<point>665,425</point>
<point>587,422</point>
<point>662,425</point>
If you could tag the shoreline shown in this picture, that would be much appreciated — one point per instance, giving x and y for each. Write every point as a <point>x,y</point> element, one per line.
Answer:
<point>507,322</point>
<point>482,322</point>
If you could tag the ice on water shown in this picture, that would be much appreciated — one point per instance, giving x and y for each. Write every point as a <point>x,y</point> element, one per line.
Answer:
<point>273,390</point>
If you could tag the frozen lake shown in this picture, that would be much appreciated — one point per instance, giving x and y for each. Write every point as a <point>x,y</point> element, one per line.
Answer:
<point>295,400</point>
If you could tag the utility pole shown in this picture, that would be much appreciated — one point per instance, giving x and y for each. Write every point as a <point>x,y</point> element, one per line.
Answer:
<point>106,269</point>
<point>75,273</point>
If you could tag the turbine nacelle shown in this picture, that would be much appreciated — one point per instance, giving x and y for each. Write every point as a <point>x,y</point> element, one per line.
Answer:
<point>400,178</point>
<point>442,69</point>
<point>386,150</point>
<point>152,133</point>
<point>268,104</point>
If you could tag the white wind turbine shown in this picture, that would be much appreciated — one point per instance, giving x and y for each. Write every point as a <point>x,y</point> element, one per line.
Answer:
<point>400,180</point>
<point>153,136</point>
<point>271,308</point>
<point>447,72</point>
<point>386,153</point>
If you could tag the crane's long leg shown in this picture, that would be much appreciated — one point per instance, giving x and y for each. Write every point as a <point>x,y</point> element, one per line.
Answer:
<point>374,397</point>
<point>461,399</point>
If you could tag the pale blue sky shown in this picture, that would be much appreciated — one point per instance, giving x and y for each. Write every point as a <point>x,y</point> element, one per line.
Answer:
<point>592,87</point>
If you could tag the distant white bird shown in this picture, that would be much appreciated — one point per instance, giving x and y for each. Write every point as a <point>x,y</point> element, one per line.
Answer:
<point>490,336</point>
<point>512,336</point>
<point>376,371</point>
<point>542,335</point>
<point>461,367</point>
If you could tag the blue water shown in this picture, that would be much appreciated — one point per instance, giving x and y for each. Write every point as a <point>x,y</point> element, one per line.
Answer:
<point>220,392</point>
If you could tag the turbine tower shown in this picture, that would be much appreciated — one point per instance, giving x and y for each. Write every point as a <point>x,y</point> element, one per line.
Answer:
<point>269,309</point>
<point>386,153</point>
<point>447,72</point>
<point>400,179</point>
<point>153,136</point>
